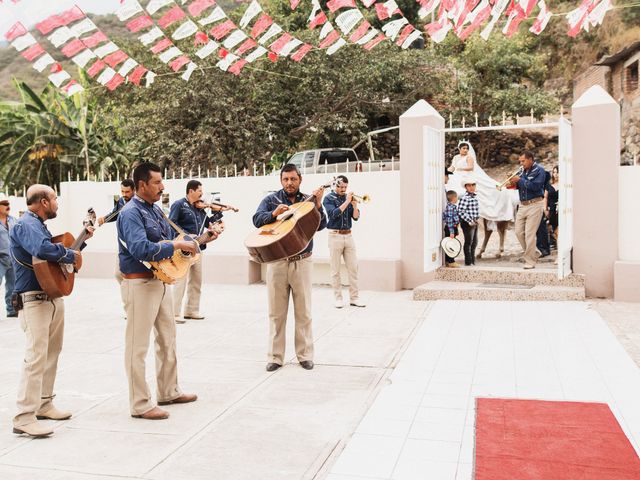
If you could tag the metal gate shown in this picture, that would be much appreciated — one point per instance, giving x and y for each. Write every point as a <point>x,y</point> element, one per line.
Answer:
<point>565,199</point>
<point>433,196</point>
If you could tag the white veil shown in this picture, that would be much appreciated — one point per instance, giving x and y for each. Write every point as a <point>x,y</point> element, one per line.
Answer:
<point>495,205</point>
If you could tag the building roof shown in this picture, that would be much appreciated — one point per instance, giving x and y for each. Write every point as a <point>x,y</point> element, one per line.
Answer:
<point>623,54</point>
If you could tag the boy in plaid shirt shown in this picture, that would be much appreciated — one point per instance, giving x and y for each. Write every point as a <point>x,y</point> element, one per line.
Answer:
<point>469,211</point>
<point>451,221</point>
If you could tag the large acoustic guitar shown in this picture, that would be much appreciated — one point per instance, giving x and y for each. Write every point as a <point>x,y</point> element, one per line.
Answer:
<point>288,235</point>
<point>171,269</point>
<point>57,279</point>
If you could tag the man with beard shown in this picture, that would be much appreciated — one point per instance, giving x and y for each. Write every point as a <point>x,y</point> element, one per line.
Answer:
<point>145,235</point>
<point>41,317</point>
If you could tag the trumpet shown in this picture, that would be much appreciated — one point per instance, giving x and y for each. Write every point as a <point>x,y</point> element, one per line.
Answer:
<point>361,198</point>
<point>517,173</point>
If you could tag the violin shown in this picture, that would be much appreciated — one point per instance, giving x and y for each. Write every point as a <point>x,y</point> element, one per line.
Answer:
<point>214,206</point>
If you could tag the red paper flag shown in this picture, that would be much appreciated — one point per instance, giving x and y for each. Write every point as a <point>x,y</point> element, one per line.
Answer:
<point>139,23</point>
<point>279,44</point>
<point>201,38</point>
<point>272,56</point>
<point>115,58</point>
<point>294,4</point>
<point>222,53</point>
<point>33,52</point>
<point>247,45</point>
<point>318,20</point>
<point>96,68</point>
<point>115,81</point>
<point>261,25</point>
<point>72,48</point>
<point>17,30</point>
<point>199,6</point>
<point>95,39</point>
<point>55,68</point>
<point>238,66</point>
<point>171,17</point>
<point>374,42</point>
<point>329,39</point>
<point>301,52</point>
<point>220,31</point>
<point>161,45</point>
<point>359,32</point>
<point>137,74</point>
<point>334,5</point>
<point>179,62</point>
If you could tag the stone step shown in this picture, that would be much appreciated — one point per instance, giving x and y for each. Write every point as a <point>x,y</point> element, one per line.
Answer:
<point>508,275</point>
<point>443,290</point>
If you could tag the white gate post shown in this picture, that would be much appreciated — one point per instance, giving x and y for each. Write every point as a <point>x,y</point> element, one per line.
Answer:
<point>596,159</point>
<point>413,150</point>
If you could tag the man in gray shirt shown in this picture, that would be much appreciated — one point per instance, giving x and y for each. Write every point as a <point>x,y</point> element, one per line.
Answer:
<point>6,268</point>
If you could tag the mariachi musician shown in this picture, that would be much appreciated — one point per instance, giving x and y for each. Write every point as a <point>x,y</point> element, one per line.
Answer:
<point>290,274</point>
<point>189,214</point>
<point>41,317</point>
<point>145,235</point>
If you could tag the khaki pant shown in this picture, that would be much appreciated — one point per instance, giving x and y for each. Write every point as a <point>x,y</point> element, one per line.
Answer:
<point>192,281</point>
<point>527,223</point>
<point>43,324</point>
<point>295,277</point>
<point>343,246</point>
<point>148,305</point>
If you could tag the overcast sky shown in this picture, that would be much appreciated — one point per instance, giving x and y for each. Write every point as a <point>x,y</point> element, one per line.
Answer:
<point>31,12</point>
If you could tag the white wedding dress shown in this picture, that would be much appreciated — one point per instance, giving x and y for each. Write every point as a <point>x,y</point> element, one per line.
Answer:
<point>495,205</point>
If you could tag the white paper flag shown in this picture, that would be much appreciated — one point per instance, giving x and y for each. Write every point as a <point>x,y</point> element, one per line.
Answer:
<point>170,54</point>
<point>252,10</point>
<point>105,50</point>
<point>127,66</point>
<point>23,42</point>
<point>129,9</point>
<point>43,62</point>
<point>274,30</point>
<point>226,62</point>
<point>151,36</point>
<point>341,42</point>
<point>327,28</point>
<point>217,14</point>
<point>370,35</point>
<point>85,26</point>
<point>190,69</point>
<point>290,47</point>
<point>392,29</point>
<point>106,75</point>
<point>348,19</point>
<point>255,54</point>
<point>59,78</point>
<point>154,5</point>
<point>83,57</point>
<point>61,36</point>
<point>207,50</point>
<point>186,30</point>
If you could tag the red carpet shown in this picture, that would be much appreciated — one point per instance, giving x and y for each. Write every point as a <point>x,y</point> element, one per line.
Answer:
<point>537,440</point>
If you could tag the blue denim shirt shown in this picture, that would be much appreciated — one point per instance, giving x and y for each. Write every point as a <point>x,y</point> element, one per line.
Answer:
<point>338,220</point>
<point>263,215</point>
<point>531,183</point>
<point>191,219</point>
<point>141,227</point>
<point>29,238</point>
<point>119,204</point>
<point>4,237</point>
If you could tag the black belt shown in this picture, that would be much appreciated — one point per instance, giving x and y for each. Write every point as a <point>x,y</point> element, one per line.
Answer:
<point>34,297</point>
<point>300,256</point>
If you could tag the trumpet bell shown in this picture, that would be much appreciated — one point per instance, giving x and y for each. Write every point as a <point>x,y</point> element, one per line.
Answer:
<point>362,198</point>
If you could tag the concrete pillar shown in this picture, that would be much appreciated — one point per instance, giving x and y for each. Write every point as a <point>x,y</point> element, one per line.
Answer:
<point>596,159</point>
<point>627,268</point>
<point>412,215</point>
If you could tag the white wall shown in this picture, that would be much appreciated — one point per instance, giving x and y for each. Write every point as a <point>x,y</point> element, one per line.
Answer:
<point>629,227</point>
<point>377,234</point>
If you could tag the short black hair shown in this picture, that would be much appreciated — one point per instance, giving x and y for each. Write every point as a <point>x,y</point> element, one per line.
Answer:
<point>290,167</point>
<point>342,178</point>
<point>128,183</point>
<point>193,185</point>
<point>452,192</point>
<point>142,173</point>
<point>528,154</point>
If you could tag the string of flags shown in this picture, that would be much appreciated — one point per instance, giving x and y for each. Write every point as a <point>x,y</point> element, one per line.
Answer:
<point>169,28</point>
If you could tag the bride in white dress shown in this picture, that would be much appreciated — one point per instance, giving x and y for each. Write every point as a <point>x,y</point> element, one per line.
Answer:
<point>495,205</point>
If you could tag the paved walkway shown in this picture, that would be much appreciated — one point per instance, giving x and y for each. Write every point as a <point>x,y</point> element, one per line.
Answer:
<point>247,423</point>
<point>421,425</point>
<point>390,397</point>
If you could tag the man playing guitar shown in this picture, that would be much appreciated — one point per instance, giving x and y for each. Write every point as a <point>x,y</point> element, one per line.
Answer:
<point>145,235</point>
<point>41,317</point>
<point>292,274</point>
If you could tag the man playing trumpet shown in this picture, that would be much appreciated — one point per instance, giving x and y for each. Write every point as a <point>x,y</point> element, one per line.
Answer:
<point>342,208</point>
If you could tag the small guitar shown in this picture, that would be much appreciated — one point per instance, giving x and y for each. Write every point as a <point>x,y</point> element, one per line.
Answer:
<point>171,269</point>
<point>57,279</point>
